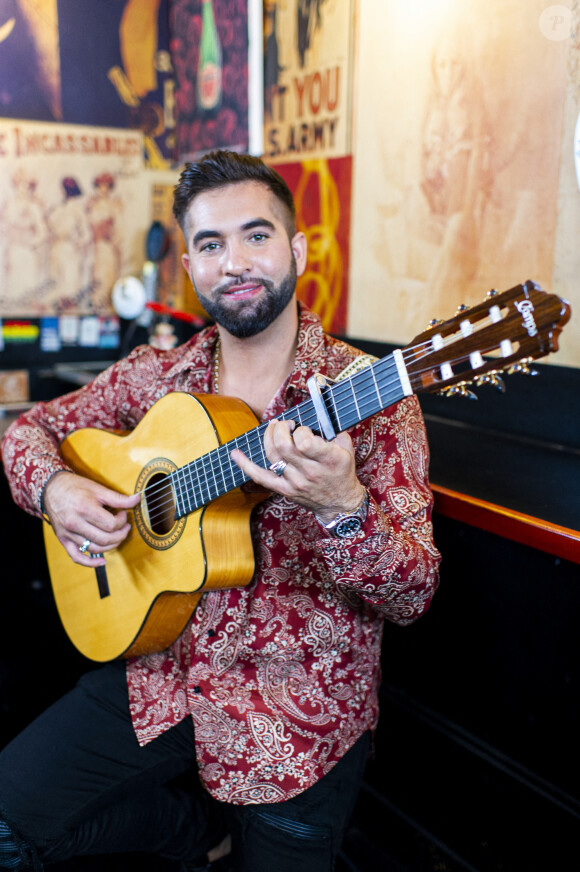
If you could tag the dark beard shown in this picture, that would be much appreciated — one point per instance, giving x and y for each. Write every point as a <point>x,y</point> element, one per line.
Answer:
<point>250,320</point>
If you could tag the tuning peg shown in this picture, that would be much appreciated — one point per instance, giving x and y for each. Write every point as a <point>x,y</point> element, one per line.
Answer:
<point>458,390</point>
<point>492,378</point>
<point>435,321</point>
<point>463,307</point>
<point>492,293</point>
<point>523,367</point>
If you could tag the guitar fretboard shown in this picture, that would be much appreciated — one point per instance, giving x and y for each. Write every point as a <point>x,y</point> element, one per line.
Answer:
<point>348,402</point>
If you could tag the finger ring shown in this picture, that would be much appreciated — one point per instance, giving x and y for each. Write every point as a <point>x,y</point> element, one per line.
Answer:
<point>278,467</point>
<point>85,546</point>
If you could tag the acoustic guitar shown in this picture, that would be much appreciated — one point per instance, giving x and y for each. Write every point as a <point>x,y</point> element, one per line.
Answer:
<point>191,531</point>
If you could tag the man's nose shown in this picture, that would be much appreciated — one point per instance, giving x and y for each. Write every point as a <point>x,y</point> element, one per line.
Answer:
<point>237,258</point>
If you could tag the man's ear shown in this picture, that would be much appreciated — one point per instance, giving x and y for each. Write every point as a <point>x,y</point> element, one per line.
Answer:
<point>299,246</point>
<point>186,265</point>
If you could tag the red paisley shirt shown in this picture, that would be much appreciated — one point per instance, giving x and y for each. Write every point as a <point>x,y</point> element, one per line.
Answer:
<point>281,677</point>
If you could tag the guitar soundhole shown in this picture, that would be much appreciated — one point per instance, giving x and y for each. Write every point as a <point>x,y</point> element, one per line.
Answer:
<point>160,504</point>
<point>155,514</point>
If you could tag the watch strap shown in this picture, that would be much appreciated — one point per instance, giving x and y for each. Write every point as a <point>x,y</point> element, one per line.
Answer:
<point>347,524</point>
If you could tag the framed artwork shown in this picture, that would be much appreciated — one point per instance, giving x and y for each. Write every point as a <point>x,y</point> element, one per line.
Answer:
<point>72,202</point>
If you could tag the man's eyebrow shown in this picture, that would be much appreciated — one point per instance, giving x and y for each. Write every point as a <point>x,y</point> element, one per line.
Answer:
<point>258,222</point>
<point>204,234</point>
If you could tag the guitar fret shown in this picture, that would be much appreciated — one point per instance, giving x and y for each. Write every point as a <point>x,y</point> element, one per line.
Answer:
<point>195,485</point>
<point>231,467</point>
<point>231,478</point>
<point>355,399</point>
<point>204,470</point>
<point>175,479</point>
<point>214,457</point>
<point>368,402</point>
<point>262,452</point>
<point>191,488</point>
<point>256,450</point>
<point>248,450</point>
<point>336,413</point>
<point>303,414</point>
<point>217,470</point>
<point>177,489</point>
<point>179,494</point>
<point>376,385</point>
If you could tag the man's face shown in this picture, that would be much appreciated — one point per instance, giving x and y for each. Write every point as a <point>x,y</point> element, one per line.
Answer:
<point>239,257</point>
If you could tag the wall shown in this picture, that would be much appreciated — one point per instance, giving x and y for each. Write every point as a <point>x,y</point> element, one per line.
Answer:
<point>463,148</point>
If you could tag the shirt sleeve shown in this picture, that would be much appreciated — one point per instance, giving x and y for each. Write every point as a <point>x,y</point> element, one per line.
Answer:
<point>392,564</point>
<point>30,448</point>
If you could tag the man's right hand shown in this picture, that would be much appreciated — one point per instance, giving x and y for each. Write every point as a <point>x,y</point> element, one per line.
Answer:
<point>80,509</point>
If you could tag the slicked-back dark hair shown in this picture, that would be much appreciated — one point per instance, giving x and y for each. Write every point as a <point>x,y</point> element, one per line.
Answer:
<point>220,168</point>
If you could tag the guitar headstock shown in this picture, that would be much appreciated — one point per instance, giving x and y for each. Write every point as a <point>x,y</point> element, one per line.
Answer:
<point>505,333</point>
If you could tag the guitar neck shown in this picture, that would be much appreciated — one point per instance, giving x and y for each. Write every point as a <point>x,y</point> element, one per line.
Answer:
<point>348,402</point>
<point>519,325</point>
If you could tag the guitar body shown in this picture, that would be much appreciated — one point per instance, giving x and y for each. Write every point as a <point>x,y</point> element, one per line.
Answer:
<point>151,584</point>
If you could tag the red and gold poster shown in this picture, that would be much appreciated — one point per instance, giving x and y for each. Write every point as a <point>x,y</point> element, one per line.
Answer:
<point>322,191</point>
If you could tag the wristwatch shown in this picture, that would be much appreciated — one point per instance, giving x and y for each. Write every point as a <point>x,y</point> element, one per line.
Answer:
<point>347,524</point>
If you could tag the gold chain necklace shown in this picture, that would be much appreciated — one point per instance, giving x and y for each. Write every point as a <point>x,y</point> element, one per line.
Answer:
<point>216,365</point>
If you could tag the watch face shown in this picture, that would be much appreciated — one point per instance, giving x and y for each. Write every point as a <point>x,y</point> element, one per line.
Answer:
<point>348,527</point>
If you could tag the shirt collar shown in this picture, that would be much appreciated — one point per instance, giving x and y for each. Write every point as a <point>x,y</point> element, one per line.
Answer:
<point>197,354</point>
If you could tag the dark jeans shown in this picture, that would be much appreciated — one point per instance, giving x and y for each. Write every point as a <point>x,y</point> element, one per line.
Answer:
<point>77,782</point>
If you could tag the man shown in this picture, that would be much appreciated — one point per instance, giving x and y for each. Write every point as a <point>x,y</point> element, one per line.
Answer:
<point>267,700</point>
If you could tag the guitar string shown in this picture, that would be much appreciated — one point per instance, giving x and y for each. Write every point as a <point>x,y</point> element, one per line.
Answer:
<point>304,412</point>
<point>234,476</point>
<point>221,467</point>
<point>222,453</point>
<point>253,439</point>
<point>411,352</point>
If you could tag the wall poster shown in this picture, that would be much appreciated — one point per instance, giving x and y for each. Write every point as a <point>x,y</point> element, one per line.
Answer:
<point>105,64</point>
<point>307,78</point>
<point>456,178</point>
<point>72,205</point>
<point>217,52</point>
<point>322,190</point>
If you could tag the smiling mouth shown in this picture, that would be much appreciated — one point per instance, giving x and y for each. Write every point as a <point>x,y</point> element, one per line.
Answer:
<point>248,289</point>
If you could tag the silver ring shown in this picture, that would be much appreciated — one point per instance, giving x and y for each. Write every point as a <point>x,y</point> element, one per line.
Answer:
<point>278,467</point>
<point>85,546</point>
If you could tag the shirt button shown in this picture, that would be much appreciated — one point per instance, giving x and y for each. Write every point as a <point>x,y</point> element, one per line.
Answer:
<point>211,632</point>
<point>197,689</point>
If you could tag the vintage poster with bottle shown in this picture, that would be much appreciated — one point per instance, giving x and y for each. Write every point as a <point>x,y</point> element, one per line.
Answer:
<point>217,54</point>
